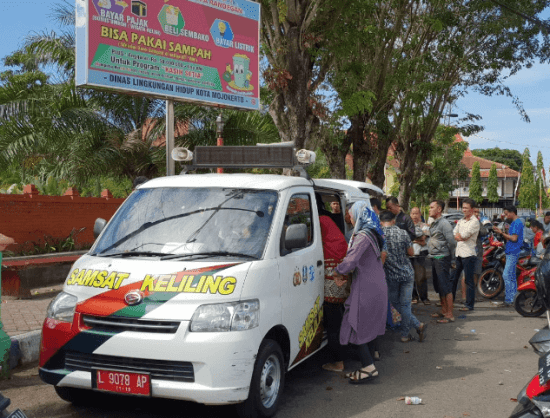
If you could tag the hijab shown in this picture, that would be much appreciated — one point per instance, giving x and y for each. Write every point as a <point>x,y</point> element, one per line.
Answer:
<point>367,221</point>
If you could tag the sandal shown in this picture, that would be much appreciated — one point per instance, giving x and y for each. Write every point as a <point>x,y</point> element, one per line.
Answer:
<point>414,301</point>
<point>437,315</point>
<point>357,378</point>
<point>445,320</point>
<point>427,302</point>
<point>465,309</point>
<point>331,367</point>
<point>407,339</point>
<point>422,332</point>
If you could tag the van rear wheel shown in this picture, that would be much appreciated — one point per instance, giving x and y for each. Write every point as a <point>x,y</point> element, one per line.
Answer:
<point>267,383</point>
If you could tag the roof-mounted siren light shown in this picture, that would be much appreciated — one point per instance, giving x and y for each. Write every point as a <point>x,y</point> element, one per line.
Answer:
<point>181,154</point>
<point>305,157</point>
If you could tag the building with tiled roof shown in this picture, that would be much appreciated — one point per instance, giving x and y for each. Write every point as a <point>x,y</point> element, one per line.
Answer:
<point>507,179</point>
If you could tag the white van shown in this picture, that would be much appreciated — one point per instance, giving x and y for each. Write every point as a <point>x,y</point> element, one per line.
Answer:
<point>202,287</point>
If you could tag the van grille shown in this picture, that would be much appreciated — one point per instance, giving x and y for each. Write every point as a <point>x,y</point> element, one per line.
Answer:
<point>179,371</point>
<point>113,324</point>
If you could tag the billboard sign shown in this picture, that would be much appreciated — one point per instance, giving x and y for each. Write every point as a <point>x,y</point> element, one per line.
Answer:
<point>204,51</point>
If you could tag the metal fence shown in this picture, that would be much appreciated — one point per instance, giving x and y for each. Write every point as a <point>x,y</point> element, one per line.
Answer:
<point>489,212</point>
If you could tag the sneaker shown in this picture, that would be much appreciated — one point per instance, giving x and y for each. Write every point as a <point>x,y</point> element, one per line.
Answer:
<point>497,303</point>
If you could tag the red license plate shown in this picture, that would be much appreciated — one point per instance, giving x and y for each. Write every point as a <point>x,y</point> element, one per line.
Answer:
<point>123,382</point>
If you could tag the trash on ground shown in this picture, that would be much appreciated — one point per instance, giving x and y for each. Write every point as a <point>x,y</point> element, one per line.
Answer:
<point>439,367</point>
<point>500,383</point>
<point>401,398</point>
<point>329,388</point>
<point>413,400</point>
<point>513,399</point>
<point>472,330</point>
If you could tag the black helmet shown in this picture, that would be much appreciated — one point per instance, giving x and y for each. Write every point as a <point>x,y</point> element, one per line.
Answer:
<point>542,279</point>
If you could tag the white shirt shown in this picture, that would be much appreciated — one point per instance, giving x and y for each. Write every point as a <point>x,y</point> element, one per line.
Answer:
<point>468,230</point>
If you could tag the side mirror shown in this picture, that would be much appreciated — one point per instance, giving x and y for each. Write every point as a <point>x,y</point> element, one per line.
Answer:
<point>98,226</point>
<point>296,236</point>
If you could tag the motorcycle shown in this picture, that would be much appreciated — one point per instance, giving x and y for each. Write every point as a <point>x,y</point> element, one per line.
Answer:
<point>491,281</point>
<point>534,399</point>
<point>527,302</point>
<point>4,403</point>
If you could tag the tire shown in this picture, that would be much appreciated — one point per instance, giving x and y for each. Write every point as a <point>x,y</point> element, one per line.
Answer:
<point>528,304</point>
<point>490,283</point>
<point>74,395</point>
<point>266,386</point>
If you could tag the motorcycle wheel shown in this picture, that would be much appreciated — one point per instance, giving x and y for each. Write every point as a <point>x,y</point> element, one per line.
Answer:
<point>527,304</point>
<point>490,283</point>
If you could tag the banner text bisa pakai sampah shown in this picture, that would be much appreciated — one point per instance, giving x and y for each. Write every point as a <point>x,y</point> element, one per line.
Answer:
<point>152,42</point>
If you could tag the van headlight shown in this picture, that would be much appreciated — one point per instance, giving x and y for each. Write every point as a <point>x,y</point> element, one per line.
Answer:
<point>221,317</point>
<point>62,307</point>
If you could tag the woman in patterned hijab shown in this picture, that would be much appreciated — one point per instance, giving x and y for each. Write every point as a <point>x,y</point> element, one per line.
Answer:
<point>366,220</point>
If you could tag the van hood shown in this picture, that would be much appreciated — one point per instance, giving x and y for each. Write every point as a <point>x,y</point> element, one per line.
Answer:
<point>152,289</point>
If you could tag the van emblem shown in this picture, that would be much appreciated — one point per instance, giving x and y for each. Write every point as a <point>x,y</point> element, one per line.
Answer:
<point>135,297</point>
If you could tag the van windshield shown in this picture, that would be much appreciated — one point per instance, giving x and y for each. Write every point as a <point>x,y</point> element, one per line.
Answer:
<point>188,221</point>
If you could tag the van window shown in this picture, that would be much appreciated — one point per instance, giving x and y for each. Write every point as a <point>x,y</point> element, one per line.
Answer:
<point>190,221</point>
<point>298,212</point>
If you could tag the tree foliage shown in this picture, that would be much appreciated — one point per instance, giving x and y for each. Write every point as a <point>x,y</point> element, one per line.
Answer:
<point>510,157</point>
<point>476,189</point>
<point>544,201</point>
<point>443,169</point>
<point>492,185</point>
<point>528,194</point>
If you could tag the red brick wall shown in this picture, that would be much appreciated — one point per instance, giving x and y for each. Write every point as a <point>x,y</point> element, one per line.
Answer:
<point>29,216</point>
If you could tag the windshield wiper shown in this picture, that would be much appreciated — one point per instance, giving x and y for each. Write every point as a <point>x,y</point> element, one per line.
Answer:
<point>207,254</point>
<point>134,254</point>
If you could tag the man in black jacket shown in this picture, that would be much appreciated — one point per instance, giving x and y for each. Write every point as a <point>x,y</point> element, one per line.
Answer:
<point>402,220</point>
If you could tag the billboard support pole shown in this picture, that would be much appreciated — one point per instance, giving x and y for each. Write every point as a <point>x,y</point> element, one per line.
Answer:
<point>170,163</point>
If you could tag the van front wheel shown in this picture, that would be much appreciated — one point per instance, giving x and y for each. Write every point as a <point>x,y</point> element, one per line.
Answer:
<point>267,383</point>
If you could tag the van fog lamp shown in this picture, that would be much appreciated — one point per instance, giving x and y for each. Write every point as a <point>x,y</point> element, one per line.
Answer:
<point>62,307</point>
<point>181,154</point>
<point>223,317</point>
<point>305,157</point>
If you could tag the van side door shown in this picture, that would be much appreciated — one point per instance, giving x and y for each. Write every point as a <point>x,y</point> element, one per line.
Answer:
<point>301,273</point>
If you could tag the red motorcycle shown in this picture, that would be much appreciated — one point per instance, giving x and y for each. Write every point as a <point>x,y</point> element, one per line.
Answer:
<point>491,281</point>
<point>526,302</point>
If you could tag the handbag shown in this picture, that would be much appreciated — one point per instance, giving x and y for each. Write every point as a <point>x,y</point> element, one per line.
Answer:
<point>333,292</point>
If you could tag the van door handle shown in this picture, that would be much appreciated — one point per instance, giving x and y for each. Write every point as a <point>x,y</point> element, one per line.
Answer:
<point>319,263</point>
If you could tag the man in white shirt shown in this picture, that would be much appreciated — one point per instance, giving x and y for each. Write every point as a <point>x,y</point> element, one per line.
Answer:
<point>465,234</point>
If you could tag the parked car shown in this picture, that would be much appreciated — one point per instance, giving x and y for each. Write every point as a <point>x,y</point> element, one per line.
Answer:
<point>453,217</point>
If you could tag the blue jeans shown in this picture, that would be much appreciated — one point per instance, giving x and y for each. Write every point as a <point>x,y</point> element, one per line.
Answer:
<point>400,296</point>
<point>467,264</point>
<point>509,277</point>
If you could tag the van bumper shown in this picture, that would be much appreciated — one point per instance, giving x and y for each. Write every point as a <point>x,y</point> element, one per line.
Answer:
<point>222,364</point>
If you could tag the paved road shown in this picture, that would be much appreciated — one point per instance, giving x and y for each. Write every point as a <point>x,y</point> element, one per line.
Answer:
<point>485,360</point>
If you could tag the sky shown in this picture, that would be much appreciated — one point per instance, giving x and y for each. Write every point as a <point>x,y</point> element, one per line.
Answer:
<point>503,125</point>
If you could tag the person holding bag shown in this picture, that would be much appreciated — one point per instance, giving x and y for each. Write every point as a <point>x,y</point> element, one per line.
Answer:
<point>366,307</point>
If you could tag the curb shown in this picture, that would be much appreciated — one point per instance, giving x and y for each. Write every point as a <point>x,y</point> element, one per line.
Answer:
<point>24,349</point>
